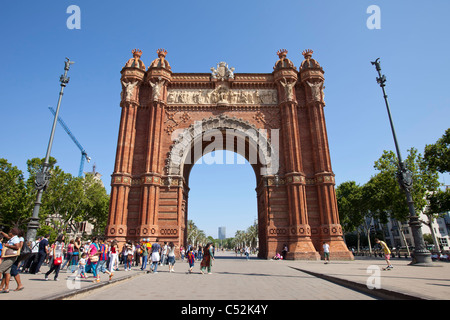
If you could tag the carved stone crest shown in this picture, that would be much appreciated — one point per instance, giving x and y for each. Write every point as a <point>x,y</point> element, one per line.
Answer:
<point>222,71</point>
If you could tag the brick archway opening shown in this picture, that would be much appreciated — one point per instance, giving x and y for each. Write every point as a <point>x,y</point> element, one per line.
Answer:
<point>222,194</point>
<point>231,134</point>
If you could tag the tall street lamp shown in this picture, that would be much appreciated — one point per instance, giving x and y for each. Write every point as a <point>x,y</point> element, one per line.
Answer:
<point>420,255</point>
<point>43,177</point>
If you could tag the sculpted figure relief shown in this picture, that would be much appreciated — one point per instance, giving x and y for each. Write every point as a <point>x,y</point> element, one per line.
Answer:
<point>156,88</point>
<point>222,95</point>
<point>316,90</point>
<point>288,89</point>
<point>128,90</point>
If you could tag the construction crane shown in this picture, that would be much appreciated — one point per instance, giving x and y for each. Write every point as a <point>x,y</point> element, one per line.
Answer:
<point>83,152</point>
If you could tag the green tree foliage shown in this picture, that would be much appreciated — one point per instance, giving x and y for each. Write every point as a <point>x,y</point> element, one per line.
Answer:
<point>381,197</point>
<point>247,238</point>
<point>95,207</point>
<point>391,198</point>
<point>350,205</point>
<point>15,200</point>
<point>195,236</point>
<point>66,202</point>
<point>437,156</point>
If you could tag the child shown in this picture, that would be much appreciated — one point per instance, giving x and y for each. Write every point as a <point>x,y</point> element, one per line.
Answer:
<point>191,259</point>
<point>81,266</point>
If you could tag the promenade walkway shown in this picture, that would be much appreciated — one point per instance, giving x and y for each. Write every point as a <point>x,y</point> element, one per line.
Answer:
<point>235,278</point>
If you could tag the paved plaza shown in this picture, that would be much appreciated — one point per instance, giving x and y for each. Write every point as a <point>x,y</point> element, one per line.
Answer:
<point>235,278</point>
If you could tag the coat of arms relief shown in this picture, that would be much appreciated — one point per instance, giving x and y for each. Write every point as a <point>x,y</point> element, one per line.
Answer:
<point>222,71</point>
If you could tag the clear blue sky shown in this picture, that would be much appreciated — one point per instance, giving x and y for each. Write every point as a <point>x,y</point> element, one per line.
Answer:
<point>412,43</point>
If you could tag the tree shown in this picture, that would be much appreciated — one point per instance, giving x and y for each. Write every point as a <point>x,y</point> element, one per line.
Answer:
<point>352,211</point>
<point>392,199</point>
<point>95,206</point>
<point>195,236</point>
<point>437,155</point>
<point>63,200</point>
<point>252,234</point>
<point>15,199</point>
<point>239,238</point>
<point>66,202</point>
<point>439,201</point>
<point>350,205</point>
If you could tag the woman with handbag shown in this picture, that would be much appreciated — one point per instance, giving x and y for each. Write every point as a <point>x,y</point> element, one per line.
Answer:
<point>58,248</point>
<point>93,258</point>
<point>10,252</point>
<point>25,251</point>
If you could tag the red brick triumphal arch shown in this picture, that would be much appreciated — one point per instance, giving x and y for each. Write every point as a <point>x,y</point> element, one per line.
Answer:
<point>275,120</point>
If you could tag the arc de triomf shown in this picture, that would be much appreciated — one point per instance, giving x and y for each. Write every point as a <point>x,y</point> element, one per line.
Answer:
<point>275,120</point>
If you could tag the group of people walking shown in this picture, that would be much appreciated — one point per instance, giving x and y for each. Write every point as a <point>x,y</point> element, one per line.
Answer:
<point>94,256</point>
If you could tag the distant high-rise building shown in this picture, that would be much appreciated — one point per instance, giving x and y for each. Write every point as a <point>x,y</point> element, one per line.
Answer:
<point>222,233</point>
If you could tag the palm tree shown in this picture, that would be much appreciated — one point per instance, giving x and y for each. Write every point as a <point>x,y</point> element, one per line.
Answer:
<point>195,236</point>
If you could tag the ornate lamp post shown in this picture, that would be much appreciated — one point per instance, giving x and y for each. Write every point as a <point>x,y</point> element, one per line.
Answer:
<point>43,177</point>
<point>420,256</point>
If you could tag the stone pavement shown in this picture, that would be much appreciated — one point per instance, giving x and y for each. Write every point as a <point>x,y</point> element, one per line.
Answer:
<point>237,279</point>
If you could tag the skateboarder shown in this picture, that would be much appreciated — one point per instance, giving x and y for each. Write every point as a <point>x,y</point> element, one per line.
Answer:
<point>387,253</point>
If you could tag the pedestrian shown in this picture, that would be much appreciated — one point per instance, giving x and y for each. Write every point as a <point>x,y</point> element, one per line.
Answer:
<point>15,267</point>
<point>113,257</point>
<point>42,253</point>
<point>93,253</point>
<point>81,272</point>
<point>326,252</point>
<point>208,256</point>
<point>86,247</point>
<point>144,254</point>
<point>199,253</point>
<point>69,254</point>
<point>284,251</point>
<point>76,253</point>
<point>387,253</point>
<point>103,259</point>
<point>57,253</point>
<point>163,260</point>
<point>191,259</point>
<point>156,250</point>
<point>31,261</point>
<point>123,255</point>
<point>137,253</point>
<point>10,253</point>
<point>171,256</point>
<point>247,252</point>
<point>182,253</point>
<point>129,253</point>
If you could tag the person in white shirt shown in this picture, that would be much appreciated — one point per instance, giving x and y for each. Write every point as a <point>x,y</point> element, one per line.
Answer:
<point>33,258</point>
<point>164,254</point>
<point>247,252</point>
<point>326,252</point>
